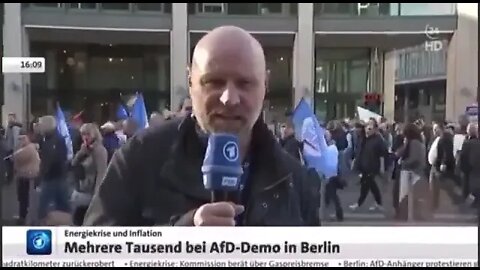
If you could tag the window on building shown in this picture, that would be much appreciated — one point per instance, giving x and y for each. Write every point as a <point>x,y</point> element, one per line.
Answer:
<point>270,8</point>
<point>341,77</point>
<point>192,8</point>
<point>149,6</point>
<point>115,6</point>
<point>82,5</point>
<point>337,8</point>
<point>358,75</point>
<point>294,8</point>
<point>167,8</point>
<point>422,9</point>
<point>242,8</point>
<point>50,5</point>
<point>342,70</point>
<point>211,7</point>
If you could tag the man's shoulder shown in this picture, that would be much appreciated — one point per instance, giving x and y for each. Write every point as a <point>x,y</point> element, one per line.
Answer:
<point>158,135</point>
<point>289,162</point>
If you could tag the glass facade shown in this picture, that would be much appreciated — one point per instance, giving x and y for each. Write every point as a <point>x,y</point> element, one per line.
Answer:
<point>243,8</point>
<point>418,63</point>
<point>385,9</point>
<point>342,78</point>
<point>123,7</point>
<point>95,78</point>
<point>279,92</point>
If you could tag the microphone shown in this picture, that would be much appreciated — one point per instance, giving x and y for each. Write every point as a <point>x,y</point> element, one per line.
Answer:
<point>221,166</point>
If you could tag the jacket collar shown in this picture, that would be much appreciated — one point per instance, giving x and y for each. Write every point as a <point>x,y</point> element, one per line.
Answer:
<point>183,169</point>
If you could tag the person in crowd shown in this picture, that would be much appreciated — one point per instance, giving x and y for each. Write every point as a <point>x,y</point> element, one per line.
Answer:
<point>156,178</point>
<point>27,168</point>
<point>427,137</point>
<point>459,136</point>
<point>75,172</point>
<point>12,142</point>
<point>412,161</point>
<point>288,140</point>
<point>93,157</point>
<point>443,166</point>
<point>74,129</point>
<point>185,107</point>
<point>356,135</point>
<point>468,164</point>
<point>339,137</point>
<point>130,127</point>
<point>111,142</point>
<point>156,119</point>
<point>398,147</point>
<point>384,131</point>
<point>119,132</point>
<point>3,155</point>
<point>368,163</point>
<point>334,183</point>
<point>53,169</point>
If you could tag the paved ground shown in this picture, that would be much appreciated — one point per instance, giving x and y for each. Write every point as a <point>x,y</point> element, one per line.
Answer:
<point>447,215</point>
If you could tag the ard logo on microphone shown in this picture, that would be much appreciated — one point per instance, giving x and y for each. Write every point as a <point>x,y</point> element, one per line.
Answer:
<point>230,151</point>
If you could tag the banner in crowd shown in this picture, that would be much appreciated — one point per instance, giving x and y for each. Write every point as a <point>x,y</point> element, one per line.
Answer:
<point>365,115</point>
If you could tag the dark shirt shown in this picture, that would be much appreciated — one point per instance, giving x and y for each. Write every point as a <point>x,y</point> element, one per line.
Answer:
<point>372,149</point>
<point>445,153</point>
<point>53,157</point>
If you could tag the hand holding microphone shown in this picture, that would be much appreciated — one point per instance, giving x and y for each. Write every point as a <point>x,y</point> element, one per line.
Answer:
<point>217,214</point>
<point>221,175</point>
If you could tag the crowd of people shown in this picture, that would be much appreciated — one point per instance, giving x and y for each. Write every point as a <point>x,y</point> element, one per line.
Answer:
<point>50,189</point>
<point>442,156</point>
<point>433,157</point>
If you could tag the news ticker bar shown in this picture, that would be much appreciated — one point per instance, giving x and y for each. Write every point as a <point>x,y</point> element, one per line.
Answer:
<point>239,243</point>
<point>241,263</point>
<point>23,64</point>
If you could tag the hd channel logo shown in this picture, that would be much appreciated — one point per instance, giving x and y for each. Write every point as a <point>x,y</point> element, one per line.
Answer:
<point>39,242</point>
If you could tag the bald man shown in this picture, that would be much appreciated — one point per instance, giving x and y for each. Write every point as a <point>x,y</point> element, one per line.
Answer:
<point>156,178</point>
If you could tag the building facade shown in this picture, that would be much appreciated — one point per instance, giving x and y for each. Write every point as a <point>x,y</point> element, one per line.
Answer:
<point>438,79</point>
<point>98,54</point>
<point>421,83</point>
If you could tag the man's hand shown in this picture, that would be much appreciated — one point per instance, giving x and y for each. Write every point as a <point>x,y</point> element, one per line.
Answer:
<point>217,214</point>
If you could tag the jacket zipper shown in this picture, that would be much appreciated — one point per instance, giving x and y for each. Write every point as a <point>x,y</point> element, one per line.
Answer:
<point>283,179</point>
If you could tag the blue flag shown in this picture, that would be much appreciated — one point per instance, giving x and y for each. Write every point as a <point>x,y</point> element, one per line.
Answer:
<point>122,113</point>
<point>316,153</point>
<point>63,130</point>
<point>139,112</point>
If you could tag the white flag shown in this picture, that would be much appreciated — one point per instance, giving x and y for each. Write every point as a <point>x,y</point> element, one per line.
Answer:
<point>365,115</point>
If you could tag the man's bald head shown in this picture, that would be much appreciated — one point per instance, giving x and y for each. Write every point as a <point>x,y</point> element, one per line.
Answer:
<point>228,81</point>
<point>231,36</point>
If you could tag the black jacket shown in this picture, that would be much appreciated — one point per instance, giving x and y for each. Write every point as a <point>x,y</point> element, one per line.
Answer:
<point>155,179</point>
<point>470,156</point>
<point>53,157</point>
<point>371,150</point>
<point>445,153</point>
